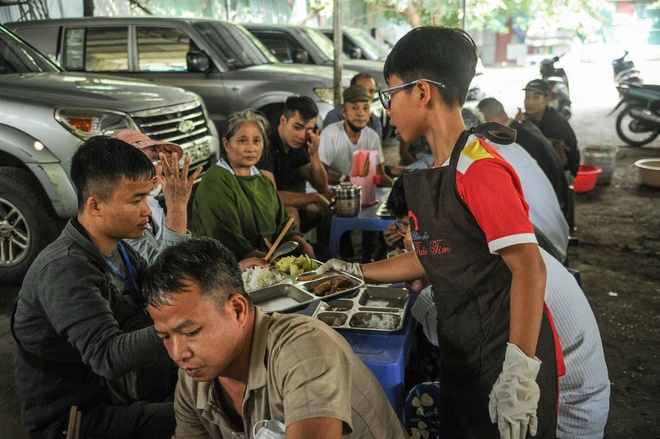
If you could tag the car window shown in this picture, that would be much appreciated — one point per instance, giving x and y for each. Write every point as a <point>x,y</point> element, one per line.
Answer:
<point>282,45</point>
<point>234,45</point>
<point>162,49</point>
<point>367,44</point>
<point>323,43</point>
<point>96,49</point>
<point>18,57</point>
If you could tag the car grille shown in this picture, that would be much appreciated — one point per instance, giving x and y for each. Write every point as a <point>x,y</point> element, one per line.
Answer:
<point>186,125</point>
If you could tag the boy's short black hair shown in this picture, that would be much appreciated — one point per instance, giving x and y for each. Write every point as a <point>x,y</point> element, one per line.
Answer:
<point>304,105</point>
<point>441,54</point>
<point>101,162</point>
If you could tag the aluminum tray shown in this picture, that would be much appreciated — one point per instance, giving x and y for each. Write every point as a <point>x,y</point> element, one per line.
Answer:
<point>370,304</point>
<point>291,294</point>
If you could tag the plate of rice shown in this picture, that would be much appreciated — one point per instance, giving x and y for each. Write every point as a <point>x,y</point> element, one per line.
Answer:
<point>257,278</point>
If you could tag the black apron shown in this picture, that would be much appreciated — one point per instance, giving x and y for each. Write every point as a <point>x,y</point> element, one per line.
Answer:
<point>471,288</point>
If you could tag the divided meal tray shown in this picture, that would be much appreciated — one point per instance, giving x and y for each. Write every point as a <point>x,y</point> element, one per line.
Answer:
<point>371,308</point>
<point>292,293</point>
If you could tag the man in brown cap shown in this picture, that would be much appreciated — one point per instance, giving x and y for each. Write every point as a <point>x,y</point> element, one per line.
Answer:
<point>176,185</point>
<point>340,139</point>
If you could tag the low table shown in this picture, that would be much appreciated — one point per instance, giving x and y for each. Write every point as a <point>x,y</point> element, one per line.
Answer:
<point>366,220</point>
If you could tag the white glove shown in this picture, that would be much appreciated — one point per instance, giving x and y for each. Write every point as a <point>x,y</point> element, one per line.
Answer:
<point>515,395</point>
<point>352,268</point>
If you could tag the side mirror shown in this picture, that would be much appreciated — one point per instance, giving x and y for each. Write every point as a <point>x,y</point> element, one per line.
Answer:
<point>300,57</point>
<point>198,61</point>
<point>356,53</point>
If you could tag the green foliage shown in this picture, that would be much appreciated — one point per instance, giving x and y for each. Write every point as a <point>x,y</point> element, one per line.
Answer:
<point>583,17</point>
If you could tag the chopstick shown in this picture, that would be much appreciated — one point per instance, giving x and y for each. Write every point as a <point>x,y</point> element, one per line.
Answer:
<point>268,244</point>
<point>365,167</point>
<point>278,240</point>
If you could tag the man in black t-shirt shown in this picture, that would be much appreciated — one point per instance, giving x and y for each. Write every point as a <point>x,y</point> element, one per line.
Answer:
<point>553,125</point>
<point>292,161</point>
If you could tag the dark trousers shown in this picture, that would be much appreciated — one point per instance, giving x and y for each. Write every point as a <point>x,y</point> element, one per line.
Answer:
<point>138,420</point>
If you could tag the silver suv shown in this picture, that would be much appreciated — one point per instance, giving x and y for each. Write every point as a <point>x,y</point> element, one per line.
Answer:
<point>45,114</point>
<point>222,62</point>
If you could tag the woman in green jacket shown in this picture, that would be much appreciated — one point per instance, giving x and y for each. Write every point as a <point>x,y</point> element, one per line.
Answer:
<point>235,203</point>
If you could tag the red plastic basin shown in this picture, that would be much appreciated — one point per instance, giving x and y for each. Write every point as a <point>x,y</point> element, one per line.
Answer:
<point>586,178</point>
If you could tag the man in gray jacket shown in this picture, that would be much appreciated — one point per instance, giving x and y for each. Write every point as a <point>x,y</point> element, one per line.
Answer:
<point>82,336</point>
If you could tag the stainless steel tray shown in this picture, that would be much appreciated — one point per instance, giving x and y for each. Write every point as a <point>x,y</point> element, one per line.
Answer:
<point>291,293</point>
<point>372,308</point>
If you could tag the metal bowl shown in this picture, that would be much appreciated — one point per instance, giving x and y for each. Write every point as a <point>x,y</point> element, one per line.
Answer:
<point>649,172</point>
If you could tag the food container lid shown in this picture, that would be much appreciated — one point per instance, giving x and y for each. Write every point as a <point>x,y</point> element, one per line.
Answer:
<point>346,190</point>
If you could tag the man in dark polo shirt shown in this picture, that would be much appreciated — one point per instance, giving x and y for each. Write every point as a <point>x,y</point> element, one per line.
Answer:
<point>553,125</point>
<point>292,161</point>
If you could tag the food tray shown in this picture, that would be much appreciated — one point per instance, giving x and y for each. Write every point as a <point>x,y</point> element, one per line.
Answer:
<point>291,293</point>
<point>371,304</point>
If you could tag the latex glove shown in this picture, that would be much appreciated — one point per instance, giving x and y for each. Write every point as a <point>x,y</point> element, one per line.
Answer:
<point>352,268</point>
<point>515,395</point>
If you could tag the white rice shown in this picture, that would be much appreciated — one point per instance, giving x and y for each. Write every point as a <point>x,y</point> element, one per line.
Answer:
<point>257,278</point>
<point>383,321</point>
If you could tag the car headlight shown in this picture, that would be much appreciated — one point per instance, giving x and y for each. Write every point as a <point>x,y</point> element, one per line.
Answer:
<point>326,94</point>
<point>86,122</point>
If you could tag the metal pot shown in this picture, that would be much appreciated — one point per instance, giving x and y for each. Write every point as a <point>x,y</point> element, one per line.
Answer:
<point>347,199</point>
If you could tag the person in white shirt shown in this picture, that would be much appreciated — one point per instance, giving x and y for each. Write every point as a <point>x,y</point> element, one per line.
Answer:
<point>341,139</point>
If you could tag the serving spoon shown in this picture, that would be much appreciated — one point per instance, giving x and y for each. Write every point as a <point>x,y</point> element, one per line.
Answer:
<point>283,249</point>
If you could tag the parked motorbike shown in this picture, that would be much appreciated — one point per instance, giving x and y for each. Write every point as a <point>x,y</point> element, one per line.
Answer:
<point>639,121</point>
<point>559,91</point>
<point>624,72</point>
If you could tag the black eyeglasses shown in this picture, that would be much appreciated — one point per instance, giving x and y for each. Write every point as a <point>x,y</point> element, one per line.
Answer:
<point>386,95</point>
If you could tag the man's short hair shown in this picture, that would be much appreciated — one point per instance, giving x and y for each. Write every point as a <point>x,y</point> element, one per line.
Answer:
<point>492,108</point>
<point>396,200</point>
<point>204,261</point>
<point>441,54</point>
<point>304,105</point>
<point>356,78</point>
<point>101,162</point>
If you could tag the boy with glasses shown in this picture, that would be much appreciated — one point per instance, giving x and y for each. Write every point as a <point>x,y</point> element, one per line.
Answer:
<point>473,239</point>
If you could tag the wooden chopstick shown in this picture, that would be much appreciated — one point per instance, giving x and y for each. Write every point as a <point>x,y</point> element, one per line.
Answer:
<point>277,241</point>
<point>268,244</point>
<point>365,167</point>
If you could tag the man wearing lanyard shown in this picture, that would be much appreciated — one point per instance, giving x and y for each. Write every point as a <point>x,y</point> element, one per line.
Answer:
<point>82,335</point>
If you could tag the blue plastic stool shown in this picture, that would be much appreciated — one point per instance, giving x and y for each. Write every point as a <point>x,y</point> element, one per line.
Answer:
<point>421,411</point>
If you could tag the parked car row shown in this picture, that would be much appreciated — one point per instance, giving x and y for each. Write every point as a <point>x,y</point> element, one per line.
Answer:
<point>47,111</point>
<point>222,62</point>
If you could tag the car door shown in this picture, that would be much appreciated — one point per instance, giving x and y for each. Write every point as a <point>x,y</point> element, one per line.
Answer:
<point>146,52</point>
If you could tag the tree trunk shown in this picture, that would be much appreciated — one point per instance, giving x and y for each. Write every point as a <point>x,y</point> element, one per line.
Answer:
<point>413,12</point>
<point>88,8</point>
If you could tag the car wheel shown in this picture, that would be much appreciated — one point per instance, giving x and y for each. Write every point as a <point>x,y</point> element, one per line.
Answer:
<point>27,223</point>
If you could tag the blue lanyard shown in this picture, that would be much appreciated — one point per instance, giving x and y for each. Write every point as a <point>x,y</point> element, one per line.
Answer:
<point>133,287</point>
